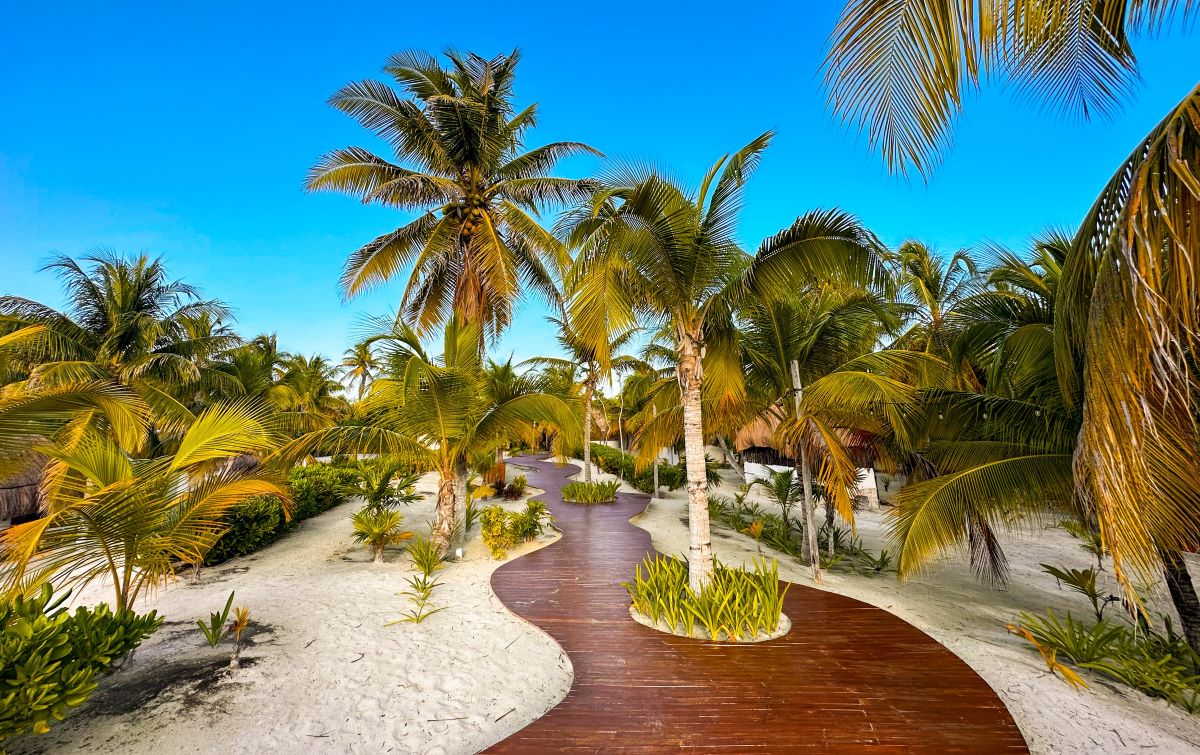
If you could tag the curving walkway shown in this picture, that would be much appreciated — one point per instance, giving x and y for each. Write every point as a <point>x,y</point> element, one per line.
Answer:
<point>848,676</point>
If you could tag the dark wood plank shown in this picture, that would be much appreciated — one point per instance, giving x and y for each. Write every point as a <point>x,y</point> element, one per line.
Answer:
<point>847,677</point>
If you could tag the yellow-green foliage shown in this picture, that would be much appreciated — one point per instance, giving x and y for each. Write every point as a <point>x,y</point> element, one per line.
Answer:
<point>591,492</point>
<point>736,605</point>
<point>502,529</point>
<point>50,659</point>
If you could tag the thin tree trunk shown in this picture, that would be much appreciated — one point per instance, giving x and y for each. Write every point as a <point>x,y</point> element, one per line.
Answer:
<point>732,458</point>
<point>443,525</point>
<point>587,433</point>
<point>829,523</point>
<point>654,409</point>
<point>379,554</point>
<point>458,535</point>
<point>691,375</point>
<point>621,425</point>
<point>1183,594</point>
<point>802,466</point>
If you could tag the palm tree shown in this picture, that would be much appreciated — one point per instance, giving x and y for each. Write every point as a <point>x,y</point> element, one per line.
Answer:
<point>314,382</point>
<point>436,414</point>
<point>812,374</point>
<point>459,163</point>
<point>596,361</point>
<point>1126,326</point>
<point>126,322</point>
<point>934,287</point>
<point>114,516</point>
<point>652,252</point>
<point>360,364</point>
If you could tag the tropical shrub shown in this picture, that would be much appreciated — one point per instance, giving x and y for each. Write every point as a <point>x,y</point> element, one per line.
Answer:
<point>1161,665</point>
<point>50,659</point>
<point>516,488</point>
<point>502,529</point>
<point>253,524</point>
<point>319,487</point>
<point>736,605</point>
<point>387,483</point>
<point>591,492</point>
<point>378,528</point>
<point>615,461</point>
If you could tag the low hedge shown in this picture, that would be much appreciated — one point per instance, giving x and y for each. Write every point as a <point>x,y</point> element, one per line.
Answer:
<point>257,522</point>
<point>615,461</point>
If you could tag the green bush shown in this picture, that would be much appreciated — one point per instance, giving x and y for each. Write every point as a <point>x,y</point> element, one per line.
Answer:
<point>615,461</point>
<point>502,529</point>
<point>50,659</point>
<point>319,487</point>
<point>253,524</point>
<point>736,604</point>
<point>591,492</point>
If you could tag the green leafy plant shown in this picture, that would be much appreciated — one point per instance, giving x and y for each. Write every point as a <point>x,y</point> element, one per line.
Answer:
<point>1161,665</point>
<point>502,529</point>
<point>516,488</point>
<point>387,483</point>
<point>623,465</point>
<point>215,630</point>
<point>1089,539</point>
<point>378,528</point>
<point>50,659</point>
<point>591,492</point>
<point>1083,581</point>
<point>427,558</point>
<point>317,488</point>
<point>252,525</point>
<point>220,626</point>
<point>737,604</point>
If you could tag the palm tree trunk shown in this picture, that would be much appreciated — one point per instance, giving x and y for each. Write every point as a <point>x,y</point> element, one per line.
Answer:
<point>731,457</point>
<point>829,521</point>
<point>443,525</point>
<point>691,375</point>
<point>379,554</point>
<point>587,432</point>
<point>805,471</point>
<point>458,534</point>
<point>1183,594</point>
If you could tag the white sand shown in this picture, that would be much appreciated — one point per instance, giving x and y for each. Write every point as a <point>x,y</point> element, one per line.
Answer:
<point>327,676</point>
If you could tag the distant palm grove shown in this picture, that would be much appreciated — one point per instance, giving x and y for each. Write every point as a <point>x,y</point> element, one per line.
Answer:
<point>1009,387</point>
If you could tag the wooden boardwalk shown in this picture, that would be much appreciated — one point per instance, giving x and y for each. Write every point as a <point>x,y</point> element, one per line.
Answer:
<point>847,677</point>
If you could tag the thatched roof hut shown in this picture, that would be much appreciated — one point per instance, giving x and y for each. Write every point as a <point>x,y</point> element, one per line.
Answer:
<point>21,494</point>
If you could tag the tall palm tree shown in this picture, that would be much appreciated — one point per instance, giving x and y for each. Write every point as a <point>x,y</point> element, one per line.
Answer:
<point>126,323</point>
<point>934,287</point>
<point>359,363</point>
<point>460,163</point>
<point>596,361</point>
<point>653,252</point>
<point>437,413</point>
<point>1128,325</point>
<point>111,515</point>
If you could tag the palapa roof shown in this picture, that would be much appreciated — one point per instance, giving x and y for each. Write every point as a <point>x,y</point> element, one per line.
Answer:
<point>21,494</point>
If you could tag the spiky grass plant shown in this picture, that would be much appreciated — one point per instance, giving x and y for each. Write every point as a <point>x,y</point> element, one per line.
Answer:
<point>737,605</point>
<point>591,492</point>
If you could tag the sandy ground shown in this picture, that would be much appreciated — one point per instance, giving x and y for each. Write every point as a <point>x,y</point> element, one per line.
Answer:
<point>325,675</point>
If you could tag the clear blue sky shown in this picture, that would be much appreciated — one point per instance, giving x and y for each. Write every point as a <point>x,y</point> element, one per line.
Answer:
<point>186,131</point>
